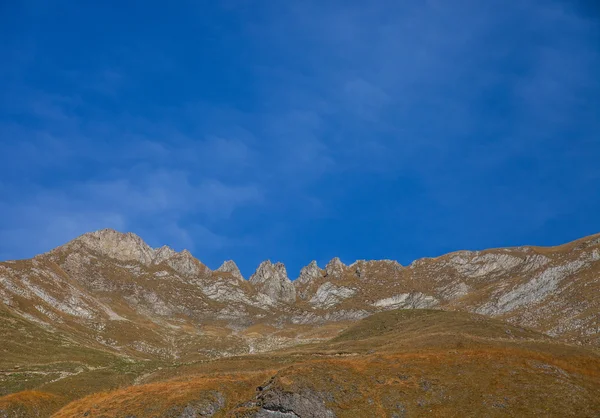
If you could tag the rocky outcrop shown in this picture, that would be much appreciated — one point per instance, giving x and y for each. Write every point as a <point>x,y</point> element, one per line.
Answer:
<point>272,280</point>
<point>454,290</point>
<point>209,404</point>
<point>162,254</point>
<point>104,282</point>
<point>533,291</point>
<point>306,281</point>
<point>335,268</point>
<point>416,300</point>
<point>329,316</point>
<point>489,265</point>
<point>128,247</point>
<point>185,264</point>
<point>274,402</point>
<point>329,295</point>
<point>223,290</point>
<point>309,273</point>
<point>117,245</point>
<point>231,268</point>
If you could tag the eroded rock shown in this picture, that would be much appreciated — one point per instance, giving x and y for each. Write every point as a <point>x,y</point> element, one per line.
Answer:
<point>229,266</point>
<point>415,300</point>
<point>335,268</point>
<point>306,403</point>
<point>272,280</point>
<point>328,295</point>
<point>309,273</point>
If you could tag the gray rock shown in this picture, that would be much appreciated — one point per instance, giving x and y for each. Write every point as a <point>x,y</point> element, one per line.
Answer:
<point>232,268</point>
<point>272,280</point>
<point>117,245</point>
<point>185,264</point>
<point>333,316</point>
<point>532,291</point>
<point>414,300</point>
<point>224,290</point>
<point>309,273</point>
<point>335,268</point>
<point>328,295</point>
<point>162,254</point>
<point>474,265</point>
<point>275,402</point>
<point>207,407</point>
<point>454,290</point>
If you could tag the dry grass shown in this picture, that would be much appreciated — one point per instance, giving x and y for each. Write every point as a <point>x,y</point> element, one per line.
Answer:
<point>167,398</point>
<point>28,404</point>
<point>474,368</point>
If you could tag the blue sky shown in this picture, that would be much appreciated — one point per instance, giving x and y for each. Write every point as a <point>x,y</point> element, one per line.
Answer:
<point>300,130</point>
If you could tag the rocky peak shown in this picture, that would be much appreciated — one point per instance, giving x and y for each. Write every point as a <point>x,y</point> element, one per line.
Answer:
<point>186,264</point>
<point>229,266</point>
<point>309,273</point>
<point>272,280</point>
<point>117,245</point>
<point>335,267</point>
<point>267,271</point>
<point>163,253</point>
<point>130,247</point>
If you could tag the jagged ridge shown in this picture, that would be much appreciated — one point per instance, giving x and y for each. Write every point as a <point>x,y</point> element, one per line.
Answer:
<point>107,286</point>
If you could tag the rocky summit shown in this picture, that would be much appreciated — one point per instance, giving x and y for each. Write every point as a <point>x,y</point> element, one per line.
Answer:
<point>107,311</point>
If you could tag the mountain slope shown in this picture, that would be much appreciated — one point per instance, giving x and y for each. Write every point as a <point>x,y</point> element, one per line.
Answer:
<point>106,309</point>
<point>459,365</point>
<point>113,289</point>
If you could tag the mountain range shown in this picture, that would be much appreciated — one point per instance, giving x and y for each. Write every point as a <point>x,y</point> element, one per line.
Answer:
<point>106,302</point>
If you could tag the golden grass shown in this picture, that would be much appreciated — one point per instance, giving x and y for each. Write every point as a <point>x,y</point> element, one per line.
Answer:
<point>485,376</point>
<point>404,362</point>
<point>29,403</point>
<point>160,398</point>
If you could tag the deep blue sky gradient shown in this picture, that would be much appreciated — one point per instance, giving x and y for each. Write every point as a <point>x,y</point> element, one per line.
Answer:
<point>300,130</point>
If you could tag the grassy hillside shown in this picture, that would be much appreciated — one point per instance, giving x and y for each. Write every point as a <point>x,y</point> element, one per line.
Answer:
<point>41,370</point>
<point>392,364</point>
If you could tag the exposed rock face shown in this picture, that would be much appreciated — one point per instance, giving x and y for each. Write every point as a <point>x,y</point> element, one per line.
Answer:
<point>534,290</point>
<point>122,247</point>
<point>162,254</point>
<point>329,316</point>
<point>272,280</point>
<point>328,295</point>
<point>185,264</point>
<point>309,273</point>
<point>225,291</point>
<point>415,300</point>
<point>454,291</point>
<point>108,286</point>
<point>130,247</point>
<point>476,265</point>
<point>309,276</point>
<point>275,402</point>
<point>335,268</point>
<point>211,403</point>
<point>232,268</point>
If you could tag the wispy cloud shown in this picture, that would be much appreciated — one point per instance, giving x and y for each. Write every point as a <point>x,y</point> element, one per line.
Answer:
<point>262,121</point>
<point>152,203</point>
